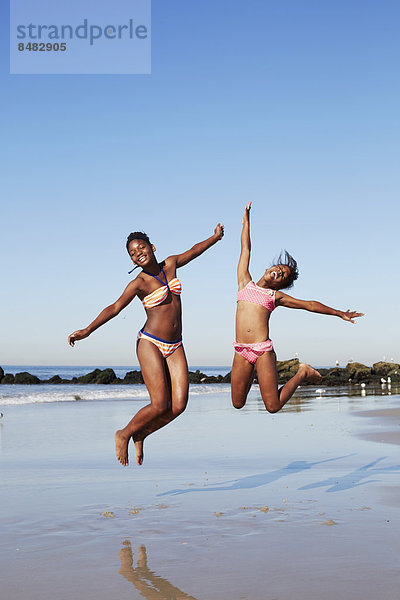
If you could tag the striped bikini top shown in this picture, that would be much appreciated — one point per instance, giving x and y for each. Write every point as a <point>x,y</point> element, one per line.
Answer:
<point>258,295</point>
<point>160,294</point>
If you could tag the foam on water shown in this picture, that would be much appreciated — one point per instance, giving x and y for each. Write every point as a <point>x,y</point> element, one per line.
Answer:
<point>42,393</point>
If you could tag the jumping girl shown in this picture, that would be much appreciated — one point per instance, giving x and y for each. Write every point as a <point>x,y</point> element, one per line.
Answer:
<point>159,343</point>
<point>253,348</point>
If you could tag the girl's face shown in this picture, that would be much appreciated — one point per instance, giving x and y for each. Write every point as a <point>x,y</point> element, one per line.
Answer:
<point>141,252</point>
<point>277,276</point>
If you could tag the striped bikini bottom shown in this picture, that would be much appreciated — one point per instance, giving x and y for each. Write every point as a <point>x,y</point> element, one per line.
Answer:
<point>166,348</point>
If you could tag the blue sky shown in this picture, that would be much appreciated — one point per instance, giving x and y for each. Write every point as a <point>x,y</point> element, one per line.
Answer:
<point>290,104</point>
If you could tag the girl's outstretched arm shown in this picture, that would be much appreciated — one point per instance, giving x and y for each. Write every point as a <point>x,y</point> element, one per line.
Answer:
<point>108,313</point>
<point>282,299</point>
<point>184,258</point>
<point>243,274</point>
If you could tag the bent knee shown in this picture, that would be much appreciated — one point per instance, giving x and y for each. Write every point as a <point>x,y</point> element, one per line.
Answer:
<point>179,403</point>
<point>160,409</point>
<point>272,404</point>
<point>238,402</point>
<point>272,408</point>
<point>178,410</point>
<point>237,405</point>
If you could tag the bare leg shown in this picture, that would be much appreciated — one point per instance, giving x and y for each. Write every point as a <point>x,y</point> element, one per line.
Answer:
<point>168,396</point>
<point>268,380</point>
<point>153,370</point>
<point>241,379</point>
<point>178,385</point>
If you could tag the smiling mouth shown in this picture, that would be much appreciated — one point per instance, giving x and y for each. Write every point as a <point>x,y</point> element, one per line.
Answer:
<point>141,259</point>
<point>274,275</point>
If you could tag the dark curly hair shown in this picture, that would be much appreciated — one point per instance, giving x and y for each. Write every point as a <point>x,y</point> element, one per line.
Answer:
<point>137,235</point>
<point>287,259</point>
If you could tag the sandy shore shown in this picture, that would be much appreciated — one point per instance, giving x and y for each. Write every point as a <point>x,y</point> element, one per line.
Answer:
<point>388,428</point>
<point>229,504</point>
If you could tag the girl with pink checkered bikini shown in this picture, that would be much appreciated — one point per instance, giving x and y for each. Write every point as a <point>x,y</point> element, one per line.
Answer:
<point>253,348</point>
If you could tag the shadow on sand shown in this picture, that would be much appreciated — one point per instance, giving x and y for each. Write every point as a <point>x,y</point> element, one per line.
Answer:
<point>254,481</point>
<point>354,478</point>
<point>334,484</point>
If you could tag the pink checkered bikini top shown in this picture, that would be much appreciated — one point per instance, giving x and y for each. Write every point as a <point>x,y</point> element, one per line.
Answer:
<point>257,295</point>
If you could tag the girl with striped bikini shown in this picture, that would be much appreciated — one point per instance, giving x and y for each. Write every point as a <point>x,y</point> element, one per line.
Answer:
<point>253,348</point>
<point>159,343</point>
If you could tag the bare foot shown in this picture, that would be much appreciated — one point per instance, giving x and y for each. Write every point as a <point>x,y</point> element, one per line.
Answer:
<point>139,451</point>
<point>121,448</point>
<point>309,374</point>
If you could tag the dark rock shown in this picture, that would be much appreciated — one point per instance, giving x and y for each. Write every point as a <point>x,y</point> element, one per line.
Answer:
<point>89,377</point>
<point>212,379</point>
<point>26,378</point>
<point>286,369</point>
<point>106,376</point>
<point>335,376</point>
<point>394,375</point>
<point>384,368</point>
<point>56,379</point>
<point>97,376</point>
<point>358,372</point>
<point>8,378</point>
<point>353,373</point>
<point>288,365</point>
<point>133,377</point>
<point>196,377</point>
<point>199,377</point>
<point>352,367</point>
<point>323,372</point>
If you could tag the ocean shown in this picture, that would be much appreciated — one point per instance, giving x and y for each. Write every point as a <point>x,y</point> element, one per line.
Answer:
<point>67,372</point>
<point>44,393</point>
<point>47,393</point>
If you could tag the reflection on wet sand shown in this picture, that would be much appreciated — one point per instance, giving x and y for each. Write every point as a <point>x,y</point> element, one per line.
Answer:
<point>304,397</point>
<point>150,585</point>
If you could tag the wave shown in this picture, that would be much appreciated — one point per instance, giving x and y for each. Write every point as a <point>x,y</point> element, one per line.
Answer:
<point>15,395</point>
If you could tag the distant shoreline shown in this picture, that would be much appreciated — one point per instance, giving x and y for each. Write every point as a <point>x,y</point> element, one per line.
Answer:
<point>354,372</point>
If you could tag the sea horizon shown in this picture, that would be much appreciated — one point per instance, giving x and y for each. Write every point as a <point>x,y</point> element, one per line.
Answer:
<point>120,370</point>
<point>69,371</point>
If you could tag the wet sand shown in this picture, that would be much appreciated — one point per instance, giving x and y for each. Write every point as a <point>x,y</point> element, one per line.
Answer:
<point>388,427</point>
<point>228,504</point>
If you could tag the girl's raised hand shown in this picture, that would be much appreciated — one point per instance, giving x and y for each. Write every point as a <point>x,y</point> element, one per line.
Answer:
<point>246,213</point>
<point>219,231</point>
<point>350,315</point>
<point>81,334</point>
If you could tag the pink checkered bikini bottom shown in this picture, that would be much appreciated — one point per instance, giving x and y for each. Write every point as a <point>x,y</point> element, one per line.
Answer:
<point>252,352</point>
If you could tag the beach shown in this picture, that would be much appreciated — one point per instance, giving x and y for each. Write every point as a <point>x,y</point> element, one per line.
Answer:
<point>228,504</point>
